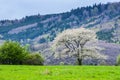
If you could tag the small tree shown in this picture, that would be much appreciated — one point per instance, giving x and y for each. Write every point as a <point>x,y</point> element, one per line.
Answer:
<point>34,59</point>
<point>12,53</point>
<point>74,42</point>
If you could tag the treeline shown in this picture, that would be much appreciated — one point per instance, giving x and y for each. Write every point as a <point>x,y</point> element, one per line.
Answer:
<point>15,54</point>
<point>110,9</point>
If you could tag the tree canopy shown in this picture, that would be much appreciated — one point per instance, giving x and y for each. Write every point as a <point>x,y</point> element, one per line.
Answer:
<point>74,42</point>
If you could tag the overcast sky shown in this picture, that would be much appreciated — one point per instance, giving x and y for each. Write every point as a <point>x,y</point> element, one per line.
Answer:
<point>11,9</point>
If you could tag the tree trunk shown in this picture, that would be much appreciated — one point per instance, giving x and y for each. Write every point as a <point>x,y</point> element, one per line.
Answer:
<point>79,61</point>
<point>80,57</point>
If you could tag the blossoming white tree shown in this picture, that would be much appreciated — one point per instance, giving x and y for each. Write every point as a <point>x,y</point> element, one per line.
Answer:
<point>74,41</point>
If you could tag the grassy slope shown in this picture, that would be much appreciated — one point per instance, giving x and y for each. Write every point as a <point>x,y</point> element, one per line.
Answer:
<point>59,73</point>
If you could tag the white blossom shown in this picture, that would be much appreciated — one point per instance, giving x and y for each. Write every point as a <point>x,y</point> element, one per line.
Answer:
<point>74,43</point>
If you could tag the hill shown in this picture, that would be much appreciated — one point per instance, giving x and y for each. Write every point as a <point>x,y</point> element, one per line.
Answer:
<point>104,18</point>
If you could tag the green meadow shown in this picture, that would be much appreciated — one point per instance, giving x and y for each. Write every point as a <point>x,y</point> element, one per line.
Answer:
<point>16,72</point>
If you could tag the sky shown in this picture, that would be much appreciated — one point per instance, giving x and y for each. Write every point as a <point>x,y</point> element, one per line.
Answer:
<point>16,9</point>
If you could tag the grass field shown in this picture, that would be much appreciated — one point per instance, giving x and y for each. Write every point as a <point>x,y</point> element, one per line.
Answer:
<point>59,72</point>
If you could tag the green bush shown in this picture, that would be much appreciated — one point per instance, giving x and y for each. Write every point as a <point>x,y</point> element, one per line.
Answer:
<point>0,58</point>
<point>118,60</point>
<point>12,53</point>
<point>34,59</point>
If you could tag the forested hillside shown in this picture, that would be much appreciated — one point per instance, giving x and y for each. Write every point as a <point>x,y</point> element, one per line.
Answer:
<point>103,18</point>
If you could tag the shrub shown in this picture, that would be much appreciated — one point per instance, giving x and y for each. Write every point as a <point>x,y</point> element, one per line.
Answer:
<point>61,63</point>
<point>34,59</point>
<point>0,58</point>
<point>118,60</point>
<point>12,53</point>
